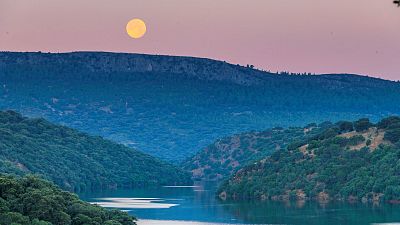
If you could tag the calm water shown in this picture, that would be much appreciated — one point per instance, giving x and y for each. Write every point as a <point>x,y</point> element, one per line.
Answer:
<point>179,205</point>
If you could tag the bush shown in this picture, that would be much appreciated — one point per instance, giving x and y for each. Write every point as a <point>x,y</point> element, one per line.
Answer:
<point>362,125</point>
<point>385,123</point>
<point>393,135</point>
<point>355,140</point>
<point>345,126</point>
<point>328,133</point>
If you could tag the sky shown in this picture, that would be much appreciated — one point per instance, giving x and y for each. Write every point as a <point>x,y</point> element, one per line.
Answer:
<point>339,36</point>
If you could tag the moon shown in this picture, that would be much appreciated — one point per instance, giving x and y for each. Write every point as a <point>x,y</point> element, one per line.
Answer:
<point>136,28</point>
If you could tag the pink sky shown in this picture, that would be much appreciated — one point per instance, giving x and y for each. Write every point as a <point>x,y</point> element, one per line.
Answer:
<point>353,36</point>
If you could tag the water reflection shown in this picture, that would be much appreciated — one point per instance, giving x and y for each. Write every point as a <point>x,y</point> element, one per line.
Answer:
<point>314,213</point>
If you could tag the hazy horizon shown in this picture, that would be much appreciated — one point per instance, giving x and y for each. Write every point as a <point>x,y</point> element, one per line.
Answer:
<point>357,37</point>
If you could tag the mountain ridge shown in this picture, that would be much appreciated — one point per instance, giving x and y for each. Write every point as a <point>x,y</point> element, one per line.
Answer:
<point>132,62</point>
<point>182,104</point>
<point>137,62</point>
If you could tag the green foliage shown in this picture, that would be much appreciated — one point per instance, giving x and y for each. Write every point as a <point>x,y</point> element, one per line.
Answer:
<point>77,161</point>
<point>327,167</point>
<point>33,201</point>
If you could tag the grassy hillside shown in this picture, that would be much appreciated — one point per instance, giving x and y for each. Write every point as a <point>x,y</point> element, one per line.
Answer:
<point>225,156</point>
<point>32,201</point>
<point>171,107</point>
<point>77,161</point>
<point>351,161</point>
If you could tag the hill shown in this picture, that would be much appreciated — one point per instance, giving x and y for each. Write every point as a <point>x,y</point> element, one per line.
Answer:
<point>225,156</point>
<point>32,201</point>
<point>75,160</point>
<point>351,161</point>
<point>170,107</point>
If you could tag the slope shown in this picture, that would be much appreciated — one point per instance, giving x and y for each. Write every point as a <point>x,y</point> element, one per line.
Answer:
<point>75,160</point>
<point>225,156</point>
<point>352,161</point>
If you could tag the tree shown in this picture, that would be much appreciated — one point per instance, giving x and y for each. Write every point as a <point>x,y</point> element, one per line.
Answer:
<point>13,218</point>
<point>33,201</point>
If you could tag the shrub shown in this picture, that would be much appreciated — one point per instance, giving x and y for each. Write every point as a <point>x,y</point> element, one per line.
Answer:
<point>393,135</point>
<point>385,123</point>
<point>362,125</point>
<point>345,126</point>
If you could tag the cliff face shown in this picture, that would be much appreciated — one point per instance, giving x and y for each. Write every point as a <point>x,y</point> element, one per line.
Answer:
<point>199,68</point>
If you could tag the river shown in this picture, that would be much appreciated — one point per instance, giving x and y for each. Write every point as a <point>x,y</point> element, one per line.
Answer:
<point>197,205</point>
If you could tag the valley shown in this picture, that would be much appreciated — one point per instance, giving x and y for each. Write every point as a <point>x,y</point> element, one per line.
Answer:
<point>133,132</point>
<point>176,112</point>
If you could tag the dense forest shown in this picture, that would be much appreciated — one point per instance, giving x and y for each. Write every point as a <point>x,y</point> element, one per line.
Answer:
<point>222,158</point>
<point>33,201</point>
<point>171,107</point>
<point>77,161</point>
<point>349,161</point>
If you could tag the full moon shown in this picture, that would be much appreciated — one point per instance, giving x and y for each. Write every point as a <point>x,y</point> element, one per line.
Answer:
<point>136,28</point>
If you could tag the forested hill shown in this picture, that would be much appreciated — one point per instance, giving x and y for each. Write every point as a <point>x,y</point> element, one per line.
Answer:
<point>77,161</point>
<point>33,201</point>
<point>225,156</point>
<point>171,107</point>
<point>355,161</point>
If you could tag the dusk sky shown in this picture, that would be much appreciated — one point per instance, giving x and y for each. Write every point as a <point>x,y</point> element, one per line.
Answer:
<point>352,36</point>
